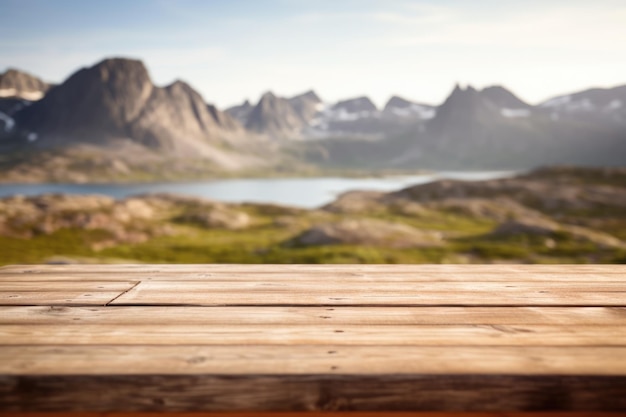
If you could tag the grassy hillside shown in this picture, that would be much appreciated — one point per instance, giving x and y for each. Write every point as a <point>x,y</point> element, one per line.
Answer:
<point>569,215</point>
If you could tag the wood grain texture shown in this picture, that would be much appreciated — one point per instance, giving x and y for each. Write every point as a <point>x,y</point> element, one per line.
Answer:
<point>293,335</point>
<point>334,268</point>
<point>304,393</point>
<point>64,286</point>
<point>277,273</point>
<point>382,293</point>
<point>65,298</point>
<point>366,316</point>
<point>109,359</point>
<point>241,338</point>
<point>316,414</point>
<point>314,276</point>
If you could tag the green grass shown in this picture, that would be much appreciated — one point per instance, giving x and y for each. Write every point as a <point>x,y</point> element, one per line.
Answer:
<point>67,242</point>
<point>468,239</point>
<point>559,247</point>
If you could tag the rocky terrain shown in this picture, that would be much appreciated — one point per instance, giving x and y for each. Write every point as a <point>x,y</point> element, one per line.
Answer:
<point>549,215</point>
<point>486,129</point>
<point>113,112</point>
<point>109,122</point>
<point>20,85</point>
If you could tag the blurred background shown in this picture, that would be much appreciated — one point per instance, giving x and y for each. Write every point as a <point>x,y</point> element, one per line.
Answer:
<point>291,131</point>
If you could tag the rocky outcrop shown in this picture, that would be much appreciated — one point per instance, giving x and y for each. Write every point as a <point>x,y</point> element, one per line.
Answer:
<point>498,208</point>
<point>306,105</point>
<point>594,101</point>
<point>402,108</point>
<point>218,216</point>
<point>275,117</point>
<point>357,202</point>
<point>358,105</point>
<point>240,112</point>
<point>21,85</point>
<point>503,98</point>
<point>368,232</point>
<point>549,228</point>
<point>126,221</point>
<point>131,220</point>
<point>116,100</point>
<point>546,196</point>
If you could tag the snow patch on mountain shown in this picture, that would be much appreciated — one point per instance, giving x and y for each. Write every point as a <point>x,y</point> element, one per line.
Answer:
<point>557,101</point>
<point>415,110</point>
<point>614,105</point>
<point>26,95</point>
<point>515,113</point>
<point>9,123</point>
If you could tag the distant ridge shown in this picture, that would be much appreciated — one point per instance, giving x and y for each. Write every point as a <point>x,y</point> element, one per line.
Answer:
<point>112,111</point>
<point>19,84</point>
<point>116,99</point>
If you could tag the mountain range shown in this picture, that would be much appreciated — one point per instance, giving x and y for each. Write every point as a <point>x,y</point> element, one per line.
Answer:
<point>113,113</point>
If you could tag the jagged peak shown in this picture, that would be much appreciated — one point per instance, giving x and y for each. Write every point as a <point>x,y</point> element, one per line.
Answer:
<point>10,71</point>
<point>495,87</point>
<point>123,68</point>
<point>503,97</point>
<point>308,95</point>
<point>120,62</point>
<point>363,102</point>
<point>397,101</point>
<point>268,95</point>
<point>460,91</point>
<point>182,85</point>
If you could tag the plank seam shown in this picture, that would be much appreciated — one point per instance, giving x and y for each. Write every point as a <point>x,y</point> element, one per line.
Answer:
<point>121,294</point>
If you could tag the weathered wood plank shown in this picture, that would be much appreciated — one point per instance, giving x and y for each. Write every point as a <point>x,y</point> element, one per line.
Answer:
<point>316,276</point>
<point>181,286</point>
<point>288,339</point>
<point>64,286</point>
<point>320,360</point>
<point>47,298</point>
<point>237,293</point>
<point>294,335</point>
<point>174,315</point>
<point>309,413</point>
<point>208,268</point>
<point>304,393</point>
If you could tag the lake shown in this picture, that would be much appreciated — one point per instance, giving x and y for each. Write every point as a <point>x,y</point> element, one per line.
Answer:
<point>301,192</point>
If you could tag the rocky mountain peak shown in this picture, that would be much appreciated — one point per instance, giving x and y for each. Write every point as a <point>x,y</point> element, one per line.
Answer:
<point>403,108</point>
<point>396,102</point>
<point>274,116</point>
<point>306,105</point>
<point>268,97</point>
<point>594,100</point>
<point>503,98</point>
<point>115,100</point>
<point>16,83</point>
<point>463,111</point>
<point>240,112</point>
<point>356,105</point>
<point>105,97</point>
<point>463,99</point>
<point>308,96</point>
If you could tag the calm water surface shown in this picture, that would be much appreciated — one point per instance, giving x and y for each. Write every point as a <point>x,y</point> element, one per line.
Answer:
<point>302,192</point>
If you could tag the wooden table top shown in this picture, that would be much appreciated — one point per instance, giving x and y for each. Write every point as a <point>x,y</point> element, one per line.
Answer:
<point>313,337</point>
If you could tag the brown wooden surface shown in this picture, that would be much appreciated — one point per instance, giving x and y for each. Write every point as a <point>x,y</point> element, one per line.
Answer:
<point>254,338</point>
<point>316,414</point>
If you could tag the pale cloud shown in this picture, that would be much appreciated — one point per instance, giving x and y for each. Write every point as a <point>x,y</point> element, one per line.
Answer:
<point>571,27</point>
<point>416,49</point>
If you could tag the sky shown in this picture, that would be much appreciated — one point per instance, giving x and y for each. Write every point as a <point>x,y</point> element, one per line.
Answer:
<point>238,49</point>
